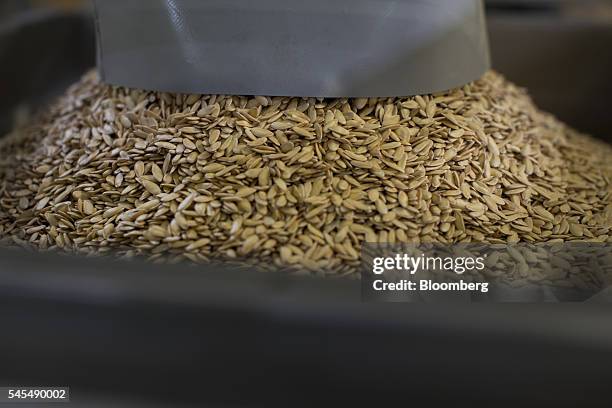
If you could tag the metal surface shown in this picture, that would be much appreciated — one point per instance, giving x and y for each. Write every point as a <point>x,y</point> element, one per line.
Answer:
<point>292,47</point>
<point>217,335</point>
<point>41,53</point>
<point>564,63</point>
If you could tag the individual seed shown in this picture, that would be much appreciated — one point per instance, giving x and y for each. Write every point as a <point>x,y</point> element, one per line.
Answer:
<point>212,168</point>
<point>151,187</point>
<point>187,202</point>
<point>198,244</point>
<point>245,192</point>
<point>249,244</point>
<point>157,172</point>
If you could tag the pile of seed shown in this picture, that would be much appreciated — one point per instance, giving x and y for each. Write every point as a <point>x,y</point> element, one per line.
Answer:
<point>297,181</point>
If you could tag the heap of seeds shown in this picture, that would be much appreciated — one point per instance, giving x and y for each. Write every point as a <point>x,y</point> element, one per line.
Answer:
<point>297,181</point>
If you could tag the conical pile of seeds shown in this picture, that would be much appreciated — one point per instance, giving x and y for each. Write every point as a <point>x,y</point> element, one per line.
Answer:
<point>297,181</point>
